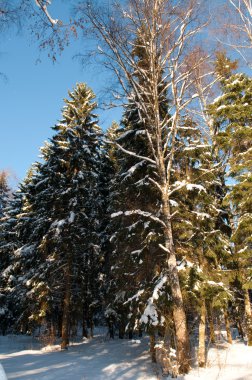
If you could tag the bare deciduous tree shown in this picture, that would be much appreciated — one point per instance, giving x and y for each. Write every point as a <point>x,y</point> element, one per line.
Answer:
<point>236,23</point>
<point>166,29</point>
<point>43,4</point>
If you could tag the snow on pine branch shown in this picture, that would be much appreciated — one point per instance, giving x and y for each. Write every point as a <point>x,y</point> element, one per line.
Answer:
<point>132,169</point>
<point>189,186</point>
<point>130,153</point>
<point>135,297</point>
<point>150,314</point>
<point>193,147</point>
<point>145,214</point>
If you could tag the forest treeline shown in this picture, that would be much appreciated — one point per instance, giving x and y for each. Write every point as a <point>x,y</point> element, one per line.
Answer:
<point>146,226</point>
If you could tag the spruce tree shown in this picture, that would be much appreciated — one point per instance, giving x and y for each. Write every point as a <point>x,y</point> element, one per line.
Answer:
<point>59,259</point>
<point>232,115</point>
<point>4,191</point>
<point>9,242</point>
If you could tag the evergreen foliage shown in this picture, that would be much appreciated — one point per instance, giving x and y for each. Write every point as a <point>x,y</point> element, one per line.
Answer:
<point>232,115</point>
<point>86,234</point>
<point>59,223</point>
<point>4,191</point>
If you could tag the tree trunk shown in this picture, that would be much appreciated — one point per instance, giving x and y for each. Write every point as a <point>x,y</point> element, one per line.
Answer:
<point>52,332</point>
<point>152,347</point>
<point>121,330</point>
<point>179,316</point>
<point>66,311</point>
<point>91,327</point>
<point>227,323</point>
<point>248,317</point>
<point>202,335</point>
<point>239,328</point>
<point>84,327</point>
<point>219,328</point>
<point>211,324</point>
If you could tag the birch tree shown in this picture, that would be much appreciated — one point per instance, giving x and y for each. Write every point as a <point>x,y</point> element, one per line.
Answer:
<point>237,25</point>
<point>167,29</point>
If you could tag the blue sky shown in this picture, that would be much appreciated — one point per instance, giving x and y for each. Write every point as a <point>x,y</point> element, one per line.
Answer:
<point>32,96</point>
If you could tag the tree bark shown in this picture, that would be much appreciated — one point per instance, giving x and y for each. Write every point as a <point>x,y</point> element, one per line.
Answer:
<point>248,317</point>
<point>239,328</point>
<point>91,327</point>
<point>84,327</point>
<point>179,316</point>
<point>66,310</point>
<point>211,324</point>
<point>152,347</point>
<point>227,323</point>
<point>202,335</point>
<point>219,327</point>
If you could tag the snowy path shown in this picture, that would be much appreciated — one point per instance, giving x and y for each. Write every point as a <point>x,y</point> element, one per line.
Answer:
<point>112,360</point>
<point>96,360</point>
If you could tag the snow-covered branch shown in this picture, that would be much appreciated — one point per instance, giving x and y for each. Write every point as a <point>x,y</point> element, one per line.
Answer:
<point>145,214</point>
<point>43,4</point>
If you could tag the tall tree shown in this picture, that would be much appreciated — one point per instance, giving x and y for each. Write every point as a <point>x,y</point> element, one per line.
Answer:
<point>58,262</point>
<point>232,115</point>
<point>9,242</point>
<point>166,30</point>
<point>4,191</point>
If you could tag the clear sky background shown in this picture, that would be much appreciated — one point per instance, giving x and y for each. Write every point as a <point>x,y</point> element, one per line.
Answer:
<point>31,98</point>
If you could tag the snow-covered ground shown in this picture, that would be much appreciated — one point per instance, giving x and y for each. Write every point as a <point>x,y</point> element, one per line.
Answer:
<point>100,359</point>
<point>90,360</point>
<point>230,362</point>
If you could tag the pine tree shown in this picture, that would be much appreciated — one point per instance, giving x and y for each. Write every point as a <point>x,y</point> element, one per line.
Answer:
<point>232,114</point>
<point>4,191</point>
<point>13,238</point>
<point>60,254</point>
<point>72,169</point>
<point>107,188</point>
<point>19,250</point>
<point>9,242</point>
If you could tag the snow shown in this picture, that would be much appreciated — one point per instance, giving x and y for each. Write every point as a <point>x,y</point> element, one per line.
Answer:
<point>26,250</point>
<point>201,215</point>
<point>2,373</point>
<point>23,358</point>
<point>135,297</point>
<point>243,249</point>
<point>159,285</point>
<point>138,212</point>
<point>217,99</point>
<point>230,362</point>
<point>191,186</point>
<point>125,134</point>
<point>215,283</point>
<point>221,107</point>
<point>184,264</point>
<point>71,217</point>
<point>192,147</point>
<point>150,313</point>
<point>116,214</point>
<point>97,359</point>
<point>236,81</point>
<point>132,169</point>
<point>173,203</point>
